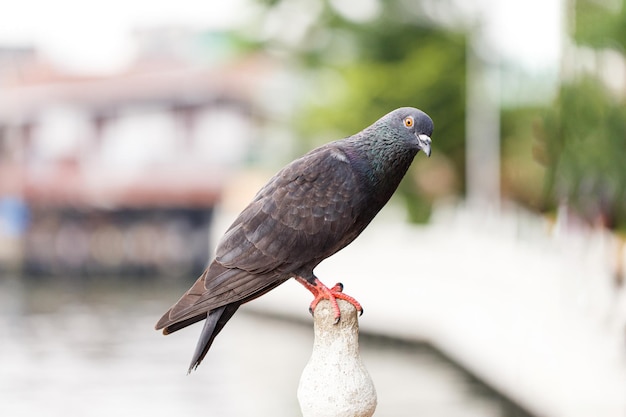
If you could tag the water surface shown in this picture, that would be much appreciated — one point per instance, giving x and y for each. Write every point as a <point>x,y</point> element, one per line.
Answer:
<point>91,350</point>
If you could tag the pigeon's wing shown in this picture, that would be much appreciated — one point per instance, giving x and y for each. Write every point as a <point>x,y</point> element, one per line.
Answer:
<point>303,214</point>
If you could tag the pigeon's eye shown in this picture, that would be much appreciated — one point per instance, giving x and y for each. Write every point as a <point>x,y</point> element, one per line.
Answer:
<point>408,121</point>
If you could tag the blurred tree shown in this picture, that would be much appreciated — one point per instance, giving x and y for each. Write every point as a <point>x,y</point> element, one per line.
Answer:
<point>522,177</point>
<point>362,64</point>
<point>582,139</point>
<point>599,24</point>
<point>583,144</point>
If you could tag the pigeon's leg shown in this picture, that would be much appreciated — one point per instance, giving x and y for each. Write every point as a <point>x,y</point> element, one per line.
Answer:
<point>321,292</point>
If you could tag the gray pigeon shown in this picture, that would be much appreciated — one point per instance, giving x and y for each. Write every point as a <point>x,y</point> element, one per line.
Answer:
<point>308,211</point>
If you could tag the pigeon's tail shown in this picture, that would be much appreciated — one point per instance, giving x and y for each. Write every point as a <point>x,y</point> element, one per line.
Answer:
<point>215,322</point>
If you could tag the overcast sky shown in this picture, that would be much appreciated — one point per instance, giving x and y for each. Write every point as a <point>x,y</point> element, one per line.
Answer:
<point>94,35</point>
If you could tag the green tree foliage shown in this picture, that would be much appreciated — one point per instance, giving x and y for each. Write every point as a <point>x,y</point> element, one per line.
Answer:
<point>583,144</point>
<point>428,75</point>
<point>397,58</point>
<point>582,139</point>
<point>600,24</point>
<point>522,176</point>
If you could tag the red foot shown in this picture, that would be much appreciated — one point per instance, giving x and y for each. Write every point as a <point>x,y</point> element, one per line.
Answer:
<point>321,292</point>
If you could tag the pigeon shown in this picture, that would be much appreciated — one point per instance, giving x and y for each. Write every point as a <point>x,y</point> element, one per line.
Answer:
<point>311,209</point>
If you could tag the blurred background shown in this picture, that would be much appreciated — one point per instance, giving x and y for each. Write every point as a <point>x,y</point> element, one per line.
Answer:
<point>132,133</point>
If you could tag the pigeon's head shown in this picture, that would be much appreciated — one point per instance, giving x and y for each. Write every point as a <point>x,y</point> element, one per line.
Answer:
<point>411,125</point>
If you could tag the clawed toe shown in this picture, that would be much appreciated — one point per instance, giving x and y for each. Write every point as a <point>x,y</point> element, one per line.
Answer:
<point>322,292</point>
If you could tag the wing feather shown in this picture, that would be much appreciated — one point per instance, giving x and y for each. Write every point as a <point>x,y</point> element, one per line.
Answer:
<point>300,215</point>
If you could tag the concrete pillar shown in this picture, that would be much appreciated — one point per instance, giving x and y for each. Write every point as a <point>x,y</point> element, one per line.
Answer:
<point>335,382</point>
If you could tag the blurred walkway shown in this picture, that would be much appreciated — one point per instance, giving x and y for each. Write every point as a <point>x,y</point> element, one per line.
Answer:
<point>530,308</point>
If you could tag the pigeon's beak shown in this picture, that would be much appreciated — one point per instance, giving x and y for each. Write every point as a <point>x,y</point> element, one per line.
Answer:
<point>424,142</point>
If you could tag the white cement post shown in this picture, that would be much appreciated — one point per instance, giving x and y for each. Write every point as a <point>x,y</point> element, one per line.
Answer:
<point>335,382</point>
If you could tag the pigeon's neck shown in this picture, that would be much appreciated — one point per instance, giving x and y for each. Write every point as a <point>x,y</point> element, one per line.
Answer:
<point>381,159</point>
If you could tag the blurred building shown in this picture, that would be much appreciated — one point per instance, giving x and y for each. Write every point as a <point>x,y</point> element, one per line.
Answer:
<point>120,173</point>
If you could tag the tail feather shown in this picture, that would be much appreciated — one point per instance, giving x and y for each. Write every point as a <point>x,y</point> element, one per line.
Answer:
<point>215,322</point>
<point>182,324</point>
<point>217,304</point>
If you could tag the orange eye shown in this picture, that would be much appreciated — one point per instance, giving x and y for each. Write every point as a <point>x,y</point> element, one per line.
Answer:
<point>408,122</point>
